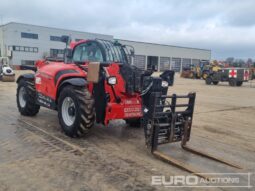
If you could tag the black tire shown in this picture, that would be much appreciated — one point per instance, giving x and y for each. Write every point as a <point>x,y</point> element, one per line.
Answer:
<point>208,80</point>
<point>232,82</point>
<point>134,122</point>
<point>83,112</point>
<point>239,83</point>
<point>29,106</point>
<point>215,83</point>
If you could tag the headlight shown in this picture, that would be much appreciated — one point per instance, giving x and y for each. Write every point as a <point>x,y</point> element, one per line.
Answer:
<point>164,84</point>
<point>112,80</point>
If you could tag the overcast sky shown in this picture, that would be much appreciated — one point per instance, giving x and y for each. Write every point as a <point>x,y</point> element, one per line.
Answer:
<point>227,27</point>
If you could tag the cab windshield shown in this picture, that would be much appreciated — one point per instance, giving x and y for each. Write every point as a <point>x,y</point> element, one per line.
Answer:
<point>87,52</point>
<point>101,51</point>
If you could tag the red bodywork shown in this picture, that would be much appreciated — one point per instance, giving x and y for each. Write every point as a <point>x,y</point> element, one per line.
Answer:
<point>47,81</point>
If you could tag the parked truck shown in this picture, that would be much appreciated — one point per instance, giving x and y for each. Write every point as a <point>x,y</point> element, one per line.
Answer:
<point>234,76</point>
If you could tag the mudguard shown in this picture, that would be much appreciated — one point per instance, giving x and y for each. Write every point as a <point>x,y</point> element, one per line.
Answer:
<point>26,76</point>
<point>80,82</point>
<point>74,81</point>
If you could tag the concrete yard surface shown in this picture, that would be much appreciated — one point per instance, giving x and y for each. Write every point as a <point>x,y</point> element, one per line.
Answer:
<point>36,155</point>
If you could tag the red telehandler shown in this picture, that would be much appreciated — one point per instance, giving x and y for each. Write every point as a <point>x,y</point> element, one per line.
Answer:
<point>95,81</point>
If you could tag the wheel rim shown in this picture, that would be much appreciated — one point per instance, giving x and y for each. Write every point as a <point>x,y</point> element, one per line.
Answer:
<point>22,99</point>
<point>68,111</point>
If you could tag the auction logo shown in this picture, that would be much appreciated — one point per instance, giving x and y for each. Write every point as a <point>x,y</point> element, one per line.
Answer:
<point>226,180</point>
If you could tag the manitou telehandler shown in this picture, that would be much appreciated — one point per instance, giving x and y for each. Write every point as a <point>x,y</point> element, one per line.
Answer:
<point>96,82</point>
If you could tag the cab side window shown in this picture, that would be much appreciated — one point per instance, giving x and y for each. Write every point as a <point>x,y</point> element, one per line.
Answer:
<point>87,52</point>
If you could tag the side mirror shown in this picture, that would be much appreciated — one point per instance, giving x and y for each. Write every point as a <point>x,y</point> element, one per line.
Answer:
<point>132,52</point>
<point>65,39</point>
<point>68,54</point>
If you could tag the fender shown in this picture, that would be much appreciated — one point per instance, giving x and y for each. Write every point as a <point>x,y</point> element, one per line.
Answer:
<point>26,76</point>
<point>74,81</point>
<point>80,82</point>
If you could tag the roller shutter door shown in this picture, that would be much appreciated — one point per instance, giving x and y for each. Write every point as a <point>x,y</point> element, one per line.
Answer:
<point>176,64</point>
<point>164,63</point>
<point>139,61</point>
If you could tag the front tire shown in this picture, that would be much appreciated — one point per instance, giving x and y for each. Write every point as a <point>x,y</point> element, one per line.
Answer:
<point>134,122</point>
<point>232,82</point>
<point>76,111</point>
<point>208,80</point>
<point>216,83</point>
<point>26,98</point>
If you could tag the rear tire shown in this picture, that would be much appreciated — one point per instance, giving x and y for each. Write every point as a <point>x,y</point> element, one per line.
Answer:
<point>76,111</point>
<point>208,80</point>
<point>239,83</point>
<point>215,83</point>
<point>232,82</point>
<point>26,98</point>
<point>134,122</point>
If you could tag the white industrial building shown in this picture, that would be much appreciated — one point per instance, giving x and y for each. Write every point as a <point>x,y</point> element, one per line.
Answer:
<point>27,43</point>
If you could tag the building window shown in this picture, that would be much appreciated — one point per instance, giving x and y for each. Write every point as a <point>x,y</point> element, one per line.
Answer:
<point>55,38</point>
<point>24,49</point>
<point>29,35</point>
<point>27,62</point>
<point>78,39</point>
<point>35,49</point>
<point>17,48</point>
<point>56,52</point>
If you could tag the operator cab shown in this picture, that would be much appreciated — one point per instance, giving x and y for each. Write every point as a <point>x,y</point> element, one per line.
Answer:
<point>98,50</point>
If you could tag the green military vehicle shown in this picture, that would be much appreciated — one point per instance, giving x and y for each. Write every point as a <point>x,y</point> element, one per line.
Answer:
<point>234,76</point>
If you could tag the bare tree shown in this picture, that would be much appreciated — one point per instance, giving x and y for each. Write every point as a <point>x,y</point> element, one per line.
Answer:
<point>230,60</point>
<point>249,62</point>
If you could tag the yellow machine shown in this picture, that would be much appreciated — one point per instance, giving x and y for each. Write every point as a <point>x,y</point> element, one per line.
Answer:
<point>200,71</point>
<point>192,72</point>
<point>213,67</point>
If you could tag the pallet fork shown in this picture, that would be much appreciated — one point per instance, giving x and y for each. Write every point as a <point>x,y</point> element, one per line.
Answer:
<point>168,122</point>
